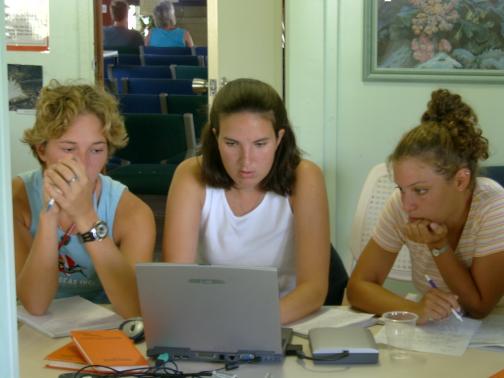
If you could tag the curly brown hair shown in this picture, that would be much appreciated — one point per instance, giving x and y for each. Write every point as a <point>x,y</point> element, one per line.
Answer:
<point>448,137</point>
<point>249,95</point>
<point>58,105</point>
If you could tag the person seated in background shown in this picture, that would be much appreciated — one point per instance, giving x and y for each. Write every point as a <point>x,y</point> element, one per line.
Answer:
<point>76,231</point>
<point>118,35</point>
<point>166,34</point>
<point>251,200</point>
<point>451,221</point>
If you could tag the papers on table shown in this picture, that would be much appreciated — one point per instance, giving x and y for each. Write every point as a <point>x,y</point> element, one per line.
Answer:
<point>490,334</point>
<point>449,336</point>
<point>332,317</point>
<point>65,314</point>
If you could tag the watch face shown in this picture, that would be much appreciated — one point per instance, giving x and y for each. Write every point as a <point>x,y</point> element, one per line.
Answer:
<point>101,230</point>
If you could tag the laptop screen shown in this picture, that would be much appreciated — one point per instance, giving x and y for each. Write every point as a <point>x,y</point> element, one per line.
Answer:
<point>210,312</point>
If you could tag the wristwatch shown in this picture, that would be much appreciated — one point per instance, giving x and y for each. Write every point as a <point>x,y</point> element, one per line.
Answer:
<point>99,231</point>
<point>439,251</point>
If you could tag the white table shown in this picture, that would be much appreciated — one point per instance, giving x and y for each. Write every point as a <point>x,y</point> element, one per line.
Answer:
<point>34,346</point>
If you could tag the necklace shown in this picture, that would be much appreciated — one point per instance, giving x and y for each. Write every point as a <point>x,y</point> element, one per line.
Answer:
<point>65,239</point>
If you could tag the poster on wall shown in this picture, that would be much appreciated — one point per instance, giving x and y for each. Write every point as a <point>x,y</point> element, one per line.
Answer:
<point>25,83</point>
<point>27,25</point>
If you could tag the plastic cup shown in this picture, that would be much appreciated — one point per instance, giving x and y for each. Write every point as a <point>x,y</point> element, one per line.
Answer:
<point>400,331</point>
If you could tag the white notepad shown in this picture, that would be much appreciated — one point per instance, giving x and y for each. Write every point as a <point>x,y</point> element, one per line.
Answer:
<point>65,314</point>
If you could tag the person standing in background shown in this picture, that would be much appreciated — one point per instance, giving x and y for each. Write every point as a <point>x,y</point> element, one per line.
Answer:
<point>166,34</point>
<point>118,35</point>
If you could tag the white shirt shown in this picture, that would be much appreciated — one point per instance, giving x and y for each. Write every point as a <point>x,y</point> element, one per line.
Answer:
<point>262,237</point>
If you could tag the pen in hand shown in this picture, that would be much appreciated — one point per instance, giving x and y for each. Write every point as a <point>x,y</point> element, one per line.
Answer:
<point>50,204</point>
<point>432,284</point>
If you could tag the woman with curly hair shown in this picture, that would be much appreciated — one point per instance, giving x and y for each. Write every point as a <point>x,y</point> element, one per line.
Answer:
<point>76,231</point>
<point>250,199</point>
<point>451,220</point>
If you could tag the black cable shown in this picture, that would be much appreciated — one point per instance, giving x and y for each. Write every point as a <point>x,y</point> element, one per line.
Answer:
<point>326,358</point>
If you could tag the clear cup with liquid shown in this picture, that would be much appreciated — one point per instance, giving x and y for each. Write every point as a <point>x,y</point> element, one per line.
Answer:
<point>400,329</point>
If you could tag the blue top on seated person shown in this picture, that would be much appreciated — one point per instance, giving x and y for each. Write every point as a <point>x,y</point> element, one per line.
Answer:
<point>77,275</point>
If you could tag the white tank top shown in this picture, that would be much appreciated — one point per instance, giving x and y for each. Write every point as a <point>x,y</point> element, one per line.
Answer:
<point>263,237</point>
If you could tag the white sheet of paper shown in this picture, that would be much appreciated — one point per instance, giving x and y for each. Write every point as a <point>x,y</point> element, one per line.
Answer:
<point>65,314</point>
<point>332,317</point>
<point>490,334</point>
<point>449,336</point>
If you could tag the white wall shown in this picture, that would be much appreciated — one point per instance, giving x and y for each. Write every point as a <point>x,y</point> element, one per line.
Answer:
<point>348,125</point>
<point>70,57</point>
<point>8,346</point>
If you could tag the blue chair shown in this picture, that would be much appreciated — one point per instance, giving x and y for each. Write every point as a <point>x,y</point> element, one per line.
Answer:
<point>188,72</point>
<point>156,86</point>
<point>120,71</point>
<point>129,59</point>
<point>110,86</point>
<point>195,104</point>
<point>143,103</point>
<point>157,138</point>
<point>145,178</point>
<point>338,279</point>
<point>166,50</point>
<point>495,172</point>
<point>166,60</point>
<point>200,50</point>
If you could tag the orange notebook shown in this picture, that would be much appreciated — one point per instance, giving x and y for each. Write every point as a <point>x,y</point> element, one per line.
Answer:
<point>109,348</point>
<point>67,357</point>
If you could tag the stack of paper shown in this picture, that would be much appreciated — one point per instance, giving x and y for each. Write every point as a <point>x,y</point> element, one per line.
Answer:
<point>333,317</point>
<point>449,336</point>
<point>491,333</point>
<point>65,314</point>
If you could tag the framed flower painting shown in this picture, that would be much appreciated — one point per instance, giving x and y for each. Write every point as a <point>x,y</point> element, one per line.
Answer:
<point>434,40</point>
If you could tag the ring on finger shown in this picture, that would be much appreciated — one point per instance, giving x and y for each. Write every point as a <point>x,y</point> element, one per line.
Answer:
<point>73,179</point>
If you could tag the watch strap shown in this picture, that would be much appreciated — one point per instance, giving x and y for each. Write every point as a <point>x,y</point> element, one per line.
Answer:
<point>99,231</point>
<point>439,251</point>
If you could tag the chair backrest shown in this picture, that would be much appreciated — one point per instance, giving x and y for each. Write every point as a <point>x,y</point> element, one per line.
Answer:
<point>338,279</point>
<point>132,71</point>
<point>179,71</point>
<point>495,172</point>
<point>200,50</point>
<point>129,59</point>
<point>156,86</point>
<point>155,50</point>
<point>195,104</point>
<point>123,49</point>
<point>154,138</point>
<point>143,103</point>
<point>377,189</point>
<point>166,60</point>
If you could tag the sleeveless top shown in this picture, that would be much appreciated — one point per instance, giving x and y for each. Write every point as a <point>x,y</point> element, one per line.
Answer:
<point>167,38</point>
<point>77,275</point>
<point>262,237</point>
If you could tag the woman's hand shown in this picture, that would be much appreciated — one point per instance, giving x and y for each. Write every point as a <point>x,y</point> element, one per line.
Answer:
<point>67,182</point>
<point>436,305</point>
<point>424,231</point>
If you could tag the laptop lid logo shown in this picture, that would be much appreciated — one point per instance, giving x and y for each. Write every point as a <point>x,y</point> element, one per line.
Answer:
<point>206,281</point>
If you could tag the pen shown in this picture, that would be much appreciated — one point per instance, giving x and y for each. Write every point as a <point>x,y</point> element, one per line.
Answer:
<point>432,284</point>
<point>50,204</point>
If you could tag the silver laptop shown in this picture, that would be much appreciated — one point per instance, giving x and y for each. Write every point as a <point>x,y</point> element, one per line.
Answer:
<point>210,312</point>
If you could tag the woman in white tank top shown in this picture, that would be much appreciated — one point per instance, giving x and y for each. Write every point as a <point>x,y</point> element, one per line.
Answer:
<point>250,199</point>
